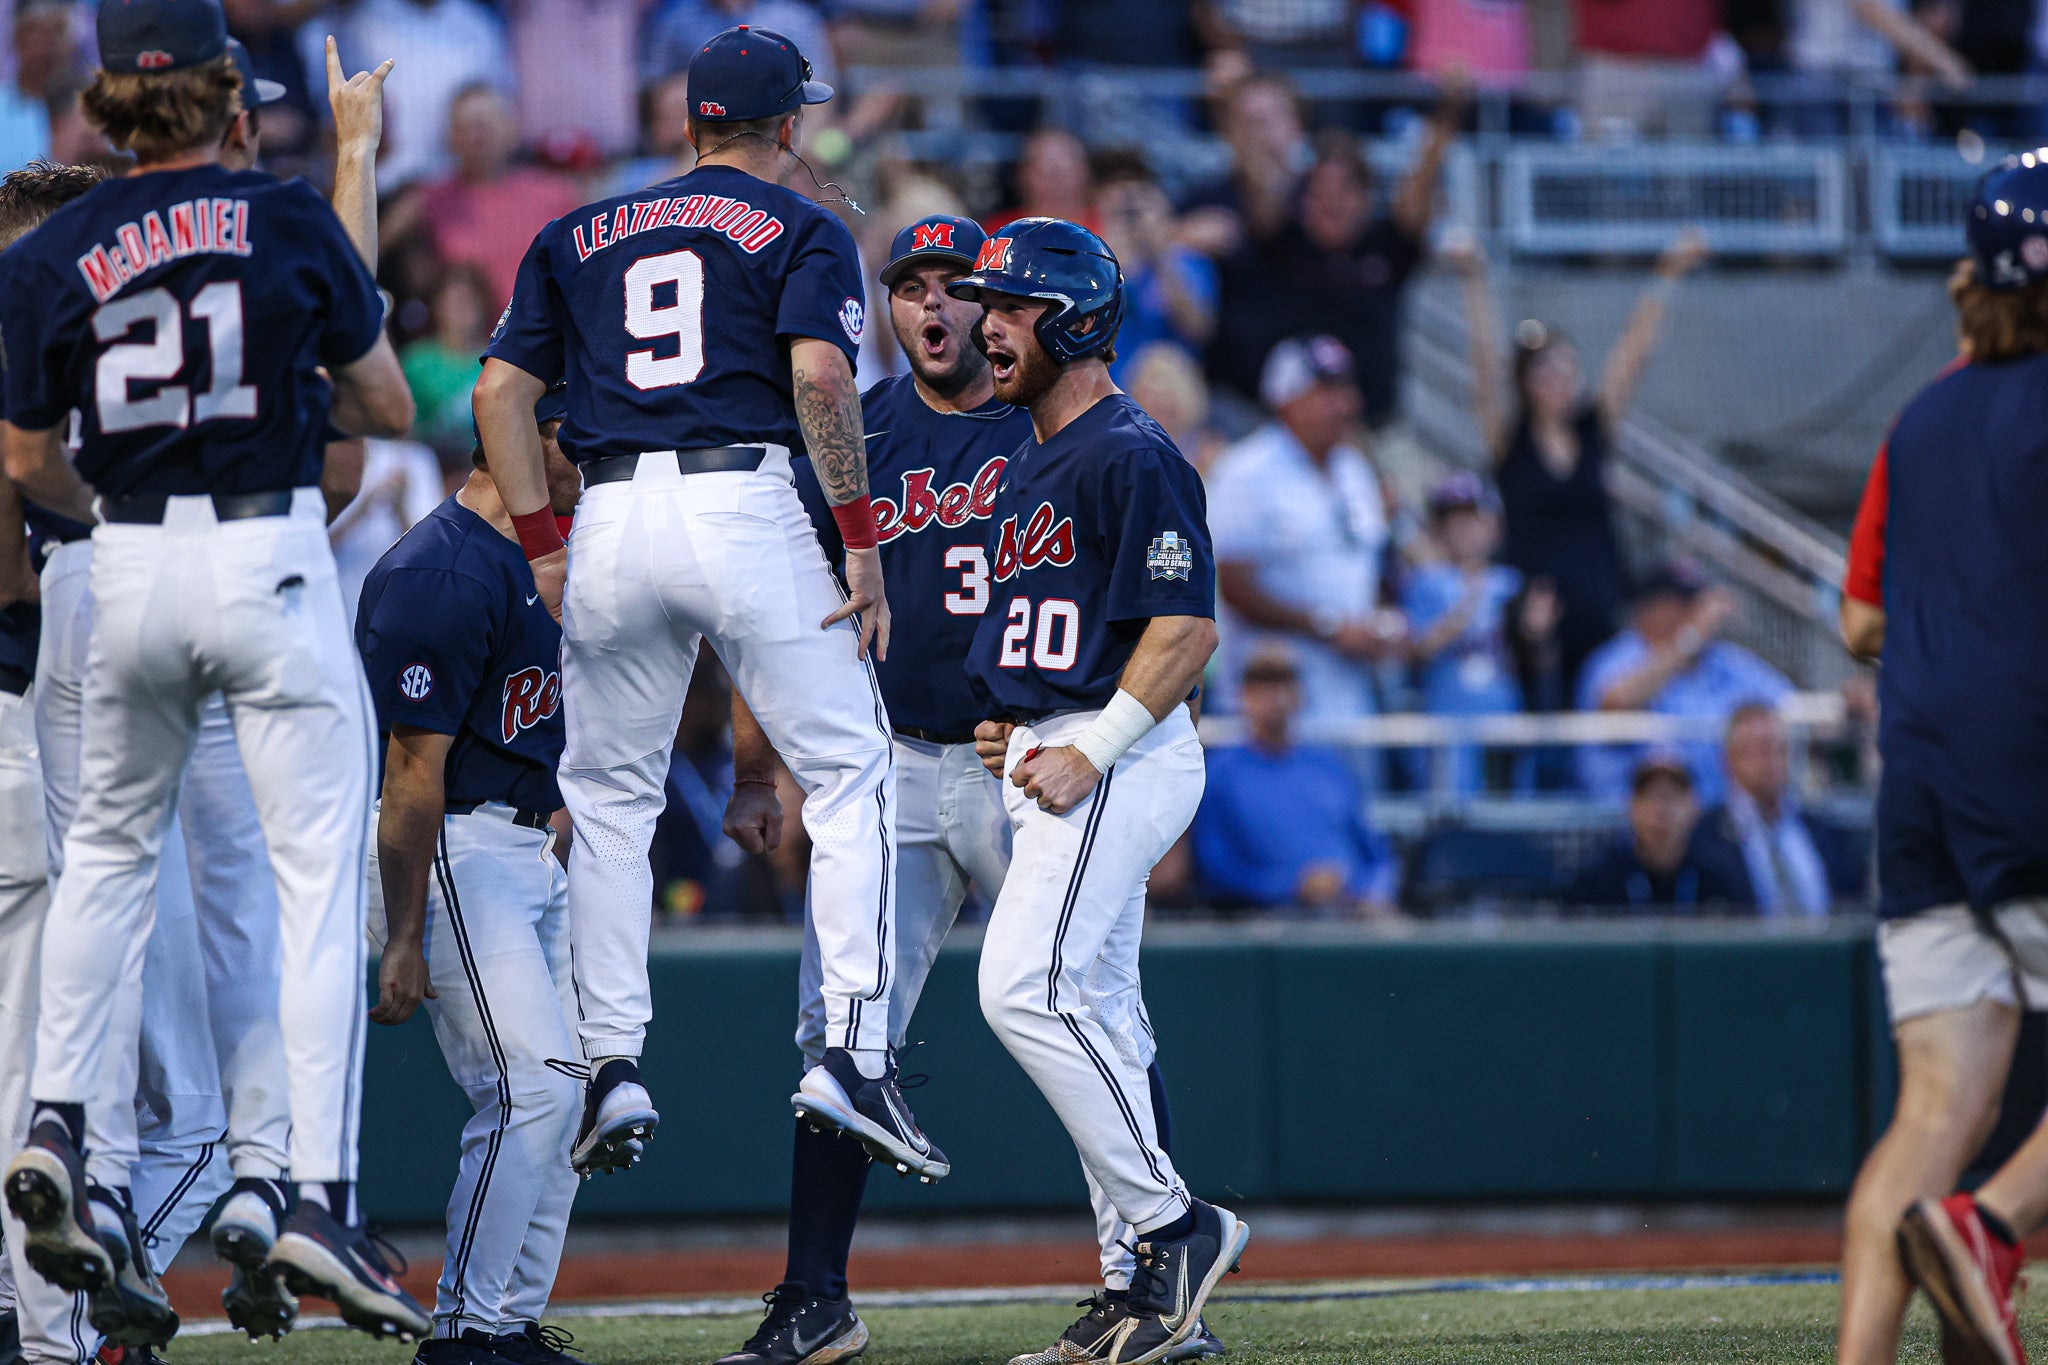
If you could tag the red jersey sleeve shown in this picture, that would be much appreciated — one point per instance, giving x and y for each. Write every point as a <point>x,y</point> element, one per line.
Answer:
<point>1864,579</point>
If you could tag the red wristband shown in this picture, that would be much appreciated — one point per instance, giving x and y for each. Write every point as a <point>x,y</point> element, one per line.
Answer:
<point>538,535</point>
<point>856,523</point>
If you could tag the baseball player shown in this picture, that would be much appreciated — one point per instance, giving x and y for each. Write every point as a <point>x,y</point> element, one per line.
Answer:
<point>1943,587</point>
<point>186,313</point>
<point>1100,619</point>
<point>162,1136</point>
<point>937,442</point>
<point>707,325</point>
<point>468,900</point>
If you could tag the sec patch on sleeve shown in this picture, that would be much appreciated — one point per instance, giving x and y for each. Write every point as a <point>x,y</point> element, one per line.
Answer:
<point>853,317</point>
<point>1170,557</point>
<point>416,683</point>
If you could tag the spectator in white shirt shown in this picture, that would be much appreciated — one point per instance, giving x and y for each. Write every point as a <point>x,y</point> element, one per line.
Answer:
<point>1300,527</point>
<point>401,484</point>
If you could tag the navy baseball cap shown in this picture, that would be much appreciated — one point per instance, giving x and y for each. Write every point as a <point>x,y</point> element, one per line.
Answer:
<point>255,90</point>
<point>936,237</point>
<point>152,36</point>
<point>748,73</point>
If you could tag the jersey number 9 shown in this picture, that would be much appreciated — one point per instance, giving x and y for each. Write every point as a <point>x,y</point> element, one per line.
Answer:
<point>682,317</point>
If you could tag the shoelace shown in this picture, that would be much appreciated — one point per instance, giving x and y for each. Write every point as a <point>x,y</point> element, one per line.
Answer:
<point>558,1339</point>
<point>783,1302</point>
<point>386,1252</point>
<point>1148,1282</point>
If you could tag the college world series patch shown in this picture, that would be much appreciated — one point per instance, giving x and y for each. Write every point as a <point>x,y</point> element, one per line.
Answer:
<point>1170,557</point>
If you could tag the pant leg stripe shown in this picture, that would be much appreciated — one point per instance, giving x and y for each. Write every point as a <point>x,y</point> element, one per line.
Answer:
<point>178,1191</point>
<point>351,1111</point>
<point>445,872</point>
<point>1087,850</point>
<point>1123,1102</point>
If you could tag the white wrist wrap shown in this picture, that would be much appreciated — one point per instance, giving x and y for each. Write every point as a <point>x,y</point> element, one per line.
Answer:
<point>1122,723</point>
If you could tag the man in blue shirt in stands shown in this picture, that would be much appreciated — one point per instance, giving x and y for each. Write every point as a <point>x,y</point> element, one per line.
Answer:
<point>1284,824</point>
<point>1670,660</point>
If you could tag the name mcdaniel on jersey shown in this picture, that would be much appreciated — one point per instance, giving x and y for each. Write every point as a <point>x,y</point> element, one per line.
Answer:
<point>667,310</point>
<point>142,295</point>
<point>1093,533</point>
<point>934,477</point>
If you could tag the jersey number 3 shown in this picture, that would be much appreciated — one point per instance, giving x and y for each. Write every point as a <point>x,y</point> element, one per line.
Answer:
<point>650,317</point>
<point>162,357</point>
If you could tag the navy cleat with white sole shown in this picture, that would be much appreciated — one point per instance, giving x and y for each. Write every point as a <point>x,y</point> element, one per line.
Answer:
<point>46,1190</point>
<point>317,1254</point>
<point>618,1120</point>
<point>132,1309</point>
<point>834,1094</point>
<point>1174,1279</point>
<point>802,1329</point>
<point>256,1301</point>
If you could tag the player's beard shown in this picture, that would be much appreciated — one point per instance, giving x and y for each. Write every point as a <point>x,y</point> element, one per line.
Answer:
<point>948,378</point>
<point>1032,375</point>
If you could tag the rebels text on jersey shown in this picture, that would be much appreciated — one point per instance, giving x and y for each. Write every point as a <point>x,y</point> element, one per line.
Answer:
<point>667,310</point>
<point>934,476</point>
<point>184,314</point>
<point>455,640</point>
<point>1094,533</point>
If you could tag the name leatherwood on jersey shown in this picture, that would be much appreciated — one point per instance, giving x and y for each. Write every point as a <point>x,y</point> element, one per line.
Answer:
<point>750,228</point>
<point>531,696</point>
<point>953,506</point>
<point>1043,542</point>
<point>217,227</point>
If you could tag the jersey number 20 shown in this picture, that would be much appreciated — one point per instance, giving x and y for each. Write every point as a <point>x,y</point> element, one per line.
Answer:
<point>162,357</point>
<point>1056,643</point>
<point>682,318</point>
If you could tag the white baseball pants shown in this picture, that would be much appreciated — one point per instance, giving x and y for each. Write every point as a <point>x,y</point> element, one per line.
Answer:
<point>212,1058</point>
<point>250,609</point>
<point>1075,893</point>
<point>655,566</point>
<point>498,957</point>
<point>952,829</point>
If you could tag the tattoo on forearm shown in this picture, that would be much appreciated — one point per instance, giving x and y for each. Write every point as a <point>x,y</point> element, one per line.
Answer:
<point>829,413</point>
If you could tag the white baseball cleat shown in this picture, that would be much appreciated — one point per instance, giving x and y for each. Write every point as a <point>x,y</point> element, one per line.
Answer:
<point>618,1119</point>
<point>256,1299</point>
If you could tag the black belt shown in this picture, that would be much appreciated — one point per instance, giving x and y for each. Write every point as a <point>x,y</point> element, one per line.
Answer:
<point>1022,717</point>
<point>147,509</point>
<point>935,736</point>
<point>14,681</point>
<point>715,460</point>
<point>525,819</point>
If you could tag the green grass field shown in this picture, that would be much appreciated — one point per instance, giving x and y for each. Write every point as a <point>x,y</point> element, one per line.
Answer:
<point>1766,1324</point>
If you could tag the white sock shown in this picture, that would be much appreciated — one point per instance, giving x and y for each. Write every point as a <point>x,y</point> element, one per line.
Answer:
<point>313,1192</point>
<point>872,1062</point>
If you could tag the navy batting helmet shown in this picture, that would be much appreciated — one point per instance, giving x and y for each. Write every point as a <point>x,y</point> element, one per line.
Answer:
<point>2008,222</point>
<point>1065,263</point>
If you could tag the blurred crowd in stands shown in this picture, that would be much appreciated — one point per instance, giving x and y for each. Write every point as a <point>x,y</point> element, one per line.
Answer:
<point>1359,574</point>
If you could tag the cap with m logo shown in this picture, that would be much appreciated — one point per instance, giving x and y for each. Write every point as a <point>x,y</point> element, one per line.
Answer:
<point>938,238</point>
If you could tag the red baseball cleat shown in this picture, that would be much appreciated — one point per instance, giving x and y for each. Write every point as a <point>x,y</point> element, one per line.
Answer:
<point>1969,1275</point>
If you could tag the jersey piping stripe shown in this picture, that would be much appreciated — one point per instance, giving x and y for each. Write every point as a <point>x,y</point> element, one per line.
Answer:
<point>77,1328</point>
<point>178,1191</point>
<point>444,871</point>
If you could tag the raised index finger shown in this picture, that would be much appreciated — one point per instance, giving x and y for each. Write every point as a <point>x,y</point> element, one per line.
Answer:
<point>335,80</point>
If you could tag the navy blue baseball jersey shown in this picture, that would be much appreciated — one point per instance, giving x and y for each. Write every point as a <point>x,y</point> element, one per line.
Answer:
<point>1094,533</point>
<point>933,476</point>
<point>668,311</point>
<point>1963,722</point>
<point>183,314</point>
<point>456,640</point>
